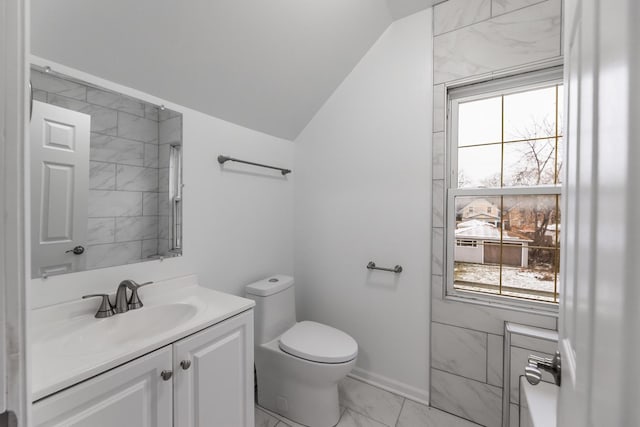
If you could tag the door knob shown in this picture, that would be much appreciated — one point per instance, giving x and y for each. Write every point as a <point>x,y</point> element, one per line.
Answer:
<point>78,250</point>
<point>185,364</point>
<point>166,375</point>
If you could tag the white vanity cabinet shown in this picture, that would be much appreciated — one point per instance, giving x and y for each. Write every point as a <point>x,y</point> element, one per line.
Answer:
<point>211,384</point>
<point>131,395</point>
<point>213,381</point>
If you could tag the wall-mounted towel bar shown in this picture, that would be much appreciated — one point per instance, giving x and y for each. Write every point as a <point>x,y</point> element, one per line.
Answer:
<point>222,159</point>
<point>396,269</point>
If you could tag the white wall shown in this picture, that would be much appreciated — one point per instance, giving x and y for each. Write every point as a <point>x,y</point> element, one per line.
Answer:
<point>362,194</point>
<point>237,219</point>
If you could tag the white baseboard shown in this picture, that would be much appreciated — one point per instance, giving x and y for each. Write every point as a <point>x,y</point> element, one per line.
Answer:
<point>393,386</point>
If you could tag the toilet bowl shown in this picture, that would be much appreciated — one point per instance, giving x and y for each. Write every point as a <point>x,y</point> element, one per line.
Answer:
<point>298,364</point>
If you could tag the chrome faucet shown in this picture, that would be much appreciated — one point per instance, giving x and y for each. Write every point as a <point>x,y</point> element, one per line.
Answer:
<point>122,304</point>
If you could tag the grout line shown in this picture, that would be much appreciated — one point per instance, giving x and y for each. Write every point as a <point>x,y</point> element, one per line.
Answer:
<point>486,360</point>
<point>367,416</point>
<point>400,413</point>
<point>516,10</point>
<point>465,327</point>
<point>531,349</point>
<point>491,17</point>
<point>462,26</point>
<point>454,415</point>
<point>466,378</point>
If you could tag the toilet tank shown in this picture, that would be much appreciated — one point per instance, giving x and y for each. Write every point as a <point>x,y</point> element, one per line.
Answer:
<point>275,309</point>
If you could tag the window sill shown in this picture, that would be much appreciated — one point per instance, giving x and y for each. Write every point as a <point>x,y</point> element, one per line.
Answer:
<point>503,303</point>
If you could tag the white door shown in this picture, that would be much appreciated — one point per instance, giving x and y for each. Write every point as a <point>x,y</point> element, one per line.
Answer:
<point>133,395</point>
<point>213,383</point>
<point>59,188</point>
<point>599,317</point>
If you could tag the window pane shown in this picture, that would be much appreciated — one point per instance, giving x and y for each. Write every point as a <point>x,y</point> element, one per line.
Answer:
<point>536,219</point>
<point>477,237</point>
<point>479,166</point>
<point>530,162</point>
<point>536,282</point>
<point>477,277</point>
<point>530,114</point>
<point>480,122</point>
<point>479,212</point>
<point>507,245</point>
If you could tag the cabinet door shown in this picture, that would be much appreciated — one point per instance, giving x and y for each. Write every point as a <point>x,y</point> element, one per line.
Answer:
<point>133,395</point>
<point>216,389</point>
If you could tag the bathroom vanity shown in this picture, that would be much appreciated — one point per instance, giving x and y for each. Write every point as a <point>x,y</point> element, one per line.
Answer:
<point>184,359</point>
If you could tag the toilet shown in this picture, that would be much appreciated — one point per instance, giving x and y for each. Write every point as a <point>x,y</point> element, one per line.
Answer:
<point>298,364</point>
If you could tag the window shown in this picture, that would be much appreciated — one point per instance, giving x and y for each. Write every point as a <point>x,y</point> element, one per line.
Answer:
<point>468,243</point>
<point>505,145</point>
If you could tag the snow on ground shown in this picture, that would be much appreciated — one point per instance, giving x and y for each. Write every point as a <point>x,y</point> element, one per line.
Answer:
<point>524,278</point>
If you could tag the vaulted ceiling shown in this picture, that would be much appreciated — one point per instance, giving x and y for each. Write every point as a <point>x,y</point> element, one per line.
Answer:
<point>265,65</point>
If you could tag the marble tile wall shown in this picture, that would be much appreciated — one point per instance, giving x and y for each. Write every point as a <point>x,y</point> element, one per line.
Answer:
<point>124,181</point>
<point>473,40</point>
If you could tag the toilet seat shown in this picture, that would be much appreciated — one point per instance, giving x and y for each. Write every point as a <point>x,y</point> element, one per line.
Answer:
<point>318,343</point>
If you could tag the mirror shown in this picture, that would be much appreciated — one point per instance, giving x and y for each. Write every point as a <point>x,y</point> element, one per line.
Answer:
<point>106,177</point>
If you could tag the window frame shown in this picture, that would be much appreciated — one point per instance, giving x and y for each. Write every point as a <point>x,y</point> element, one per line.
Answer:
<point>471,92</point>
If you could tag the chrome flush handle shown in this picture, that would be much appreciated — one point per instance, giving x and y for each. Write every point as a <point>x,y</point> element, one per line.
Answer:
<point>533,372</point>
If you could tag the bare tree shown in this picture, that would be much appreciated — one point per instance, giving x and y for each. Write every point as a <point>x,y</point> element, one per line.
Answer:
<point>539,163</point>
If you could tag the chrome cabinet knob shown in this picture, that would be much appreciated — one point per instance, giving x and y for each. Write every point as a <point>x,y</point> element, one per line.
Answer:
<point>185,364</point>
<point>166,375</point>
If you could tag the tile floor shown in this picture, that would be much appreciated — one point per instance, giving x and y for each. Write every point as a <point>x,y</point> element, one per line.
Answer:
<point>366,406</point>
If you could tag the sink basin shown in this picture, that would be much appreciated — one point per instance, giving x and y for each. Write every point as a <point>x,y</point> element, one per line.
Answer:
<point>70,345</point>
<point>99,335</point>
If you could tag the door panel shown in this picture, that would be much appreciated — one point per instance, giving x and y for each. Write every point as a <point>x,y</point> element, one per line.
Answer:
<point>217,388</point>
<point>57,203</point>
<point>132,395</point>
<point>599,318</point>
<point>60,188</point>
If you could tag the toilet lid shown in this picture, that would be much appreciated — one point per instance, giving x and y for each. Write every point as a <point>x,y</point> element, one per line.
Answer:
<point>318,343</point>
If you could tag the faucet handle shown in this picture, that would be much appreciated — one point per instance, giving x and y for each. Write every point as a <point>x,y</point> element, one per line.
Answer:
<point>105,309</point>
<point>134,300</point>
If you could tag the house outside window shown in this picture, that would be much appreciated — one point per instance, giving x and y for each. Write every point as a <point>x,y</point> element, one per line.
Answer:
<point>504,189</point>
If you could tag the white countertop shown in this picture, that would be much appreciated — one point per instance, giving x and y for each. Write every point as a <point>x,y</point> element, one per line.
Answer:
<point>66,349</point>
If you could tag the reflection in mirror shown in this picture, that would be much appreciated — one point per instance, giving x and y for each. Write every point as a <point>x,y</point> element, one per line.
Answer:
<point>106,177</point>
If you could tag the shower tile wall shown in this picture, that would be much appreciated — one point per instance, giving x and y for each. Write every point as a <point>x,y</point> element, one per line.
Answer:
<point>473,39</point>
<point>124,169</point>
